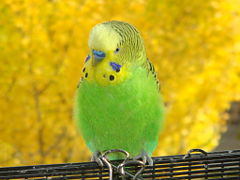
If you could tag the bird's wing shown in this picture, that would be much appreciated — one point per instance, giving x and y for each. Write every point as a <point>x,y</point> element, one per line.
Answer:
<point>150,68</point>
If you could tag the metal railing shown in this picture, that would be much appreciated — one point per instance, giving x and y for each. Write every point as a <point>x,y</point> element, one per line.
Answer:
<point>197,164</point>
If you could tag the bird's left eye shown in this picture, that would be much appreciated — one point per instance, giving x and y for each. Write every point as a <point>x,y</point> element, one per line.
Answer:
<point>117,50</point>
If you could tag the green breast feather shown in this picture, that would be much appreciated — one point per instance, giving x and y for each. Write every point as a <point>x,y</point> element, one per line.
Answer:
<point>125,116</point>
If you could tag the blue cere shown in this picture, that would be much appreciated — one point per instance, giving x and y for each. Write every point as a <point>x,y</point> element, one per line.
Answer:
<point>87,58</point>
<point>98,54</point>
<point>116,67</point>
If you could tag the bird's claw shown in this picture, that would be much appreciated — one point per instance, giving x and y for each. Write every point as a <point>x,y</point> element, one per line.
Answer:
<point>146,159</point>
<point>102,159</point>
<point>97,157</point>
<point>143,159</point>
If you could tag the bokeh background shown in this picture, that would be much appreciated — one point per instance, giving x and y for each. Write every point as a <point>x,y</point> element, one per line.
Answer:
<point>194,45</point>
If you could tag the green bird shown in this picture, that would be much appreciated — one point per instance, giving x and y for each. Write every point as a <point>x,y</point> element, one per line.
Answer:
<point>118,104</point>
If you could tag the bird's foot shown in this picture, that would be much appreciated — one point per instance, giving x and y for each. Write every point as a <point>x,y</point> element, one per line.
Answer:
<point>102,159</point>
<point>145,158</point>
<point>141,160</point>
<point>97,157</point>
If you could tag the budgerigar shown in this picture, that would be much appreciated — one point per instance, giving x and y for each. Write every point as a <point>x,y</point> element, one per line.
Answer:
<point>118,103</point>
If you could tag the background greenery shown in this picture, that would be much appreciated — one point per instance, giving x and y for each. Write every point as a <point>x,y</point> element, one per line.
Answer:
<point>195,46</point>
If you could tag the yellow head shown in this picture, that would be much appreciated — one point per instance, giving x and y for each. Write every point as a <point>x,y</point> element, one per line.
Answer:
<point>113,46</point>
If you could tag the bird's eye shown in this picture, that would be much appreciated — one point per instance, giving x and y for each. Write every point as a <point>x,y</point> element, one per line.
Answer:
<point>117,50</point>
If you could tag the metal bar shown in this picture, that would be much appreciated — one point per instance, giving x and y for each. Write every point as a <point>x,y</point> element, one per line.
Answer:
<point>194,165</point>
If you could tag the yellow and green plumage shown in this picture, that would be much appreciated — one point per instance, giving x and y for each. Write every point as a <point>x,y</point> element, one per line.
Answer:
<point>118,104</point>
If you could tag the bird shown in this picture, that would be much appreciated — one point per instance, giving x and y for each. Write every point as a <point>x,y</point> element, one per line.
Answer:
<point>118,104</point>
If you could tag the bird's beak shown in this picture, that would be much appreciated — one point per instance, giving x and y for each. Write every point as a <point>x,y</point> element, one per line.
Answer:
<point>97,56</point>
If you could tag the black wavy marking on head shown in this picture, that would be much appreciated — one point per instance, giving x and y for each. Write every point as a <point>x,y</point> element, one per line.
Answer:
<point>129,36</point>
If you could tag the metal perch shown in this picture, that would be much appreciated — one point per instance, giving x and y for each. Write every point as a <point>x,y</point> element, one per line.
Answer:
<point>197,164</point>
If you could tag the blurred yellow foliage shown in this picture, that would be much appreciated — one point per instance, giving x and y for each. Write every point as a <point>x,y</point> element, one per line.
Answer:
<point>195,46</point>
